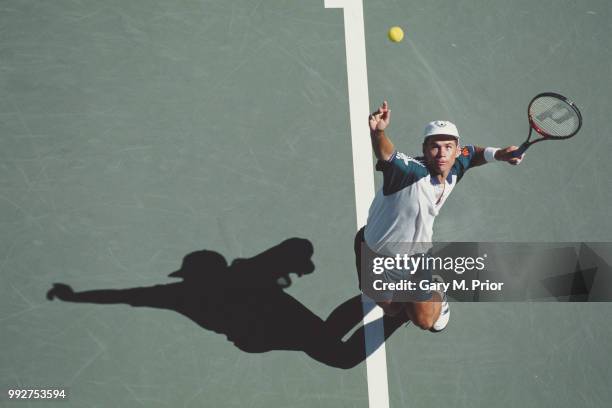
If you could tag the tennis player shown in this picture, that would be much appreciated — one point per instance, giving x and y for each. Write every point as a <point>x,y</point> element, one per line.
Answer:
<point>404,209</point>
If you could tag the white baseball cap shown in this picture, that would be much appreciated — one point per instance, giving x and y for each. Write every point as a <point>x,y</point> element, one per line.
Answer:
<point>441,127</point>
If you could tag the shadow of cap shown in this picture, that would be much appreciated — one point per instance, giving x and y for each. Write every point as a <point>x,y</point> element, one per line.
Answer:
<point>198,262</point>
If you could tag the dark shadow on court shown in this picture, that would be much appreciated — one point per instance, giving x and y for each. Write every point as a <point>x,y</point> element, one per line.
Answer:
<point>246,302</point>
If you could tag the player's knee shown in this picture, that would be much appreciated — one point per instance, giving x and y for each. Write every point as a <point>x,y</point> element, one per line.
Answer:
<point>423,320</point>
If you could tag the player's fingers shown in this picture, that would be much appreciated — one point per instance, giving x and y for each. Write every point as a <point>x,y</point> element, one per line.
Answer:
<point>510,149</point>
<point>516,160</point>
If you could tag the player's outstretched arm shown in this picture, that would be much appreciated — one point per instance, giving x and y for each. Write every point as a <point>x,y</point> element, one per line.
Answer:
<point>505,155</point>
<point>379,120</point>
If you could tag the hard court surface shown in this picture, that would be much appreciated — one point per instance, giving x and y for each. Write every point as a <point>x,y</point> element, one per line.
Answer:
<point>133,133</point>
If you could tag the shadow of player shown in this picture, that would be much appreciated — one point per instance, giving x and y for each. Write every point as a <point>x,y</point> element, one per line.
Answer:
<point>246,302</point>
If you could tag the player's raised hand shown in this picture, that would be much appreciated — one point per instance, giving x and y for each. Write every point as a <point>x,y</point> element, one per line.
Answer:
<point>505,155</point>
<point>380,118</point>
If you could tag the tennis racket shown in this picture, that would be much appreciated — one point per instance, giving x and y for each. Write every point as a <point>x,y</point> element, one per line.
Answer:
<point>552,116</point>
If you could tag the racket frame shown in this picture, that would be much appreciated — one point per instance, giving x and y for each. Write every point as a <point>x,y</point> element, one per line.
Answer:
<point>545,136</point>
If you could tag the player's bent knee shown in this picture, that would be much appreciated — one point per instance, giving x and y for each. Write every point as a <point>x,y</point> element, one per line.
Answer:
<point>421,315</point>
<point>423,321</point>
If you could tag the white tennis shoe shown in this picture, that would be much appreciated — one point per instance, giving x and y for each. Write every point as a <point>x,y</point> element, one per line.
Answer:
<point>442,321</point>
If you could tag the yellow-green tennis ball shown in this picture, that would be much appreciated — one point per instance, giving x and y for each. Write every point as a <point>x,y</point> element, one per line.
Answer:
<point>396,34</point>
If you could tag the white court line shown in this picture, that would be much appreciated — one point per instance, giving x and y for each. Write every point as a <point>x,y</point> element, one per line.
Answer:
<point>363,171</point>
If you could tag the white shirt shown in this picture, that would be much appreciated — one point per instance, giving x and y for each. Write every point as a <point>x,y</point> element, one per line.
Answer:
<point>404,209</point>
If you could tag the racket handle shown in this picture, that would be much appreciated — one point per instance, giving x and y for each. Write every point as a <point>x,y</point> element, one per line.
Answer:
<point>519,152</point>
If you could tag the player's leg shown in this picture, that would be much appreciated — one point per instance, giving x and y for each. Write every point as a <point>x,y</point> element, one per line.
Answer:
<point>432,315</point>
<point>430,309</point>
<point>389,307</point>
<point>424,314</point>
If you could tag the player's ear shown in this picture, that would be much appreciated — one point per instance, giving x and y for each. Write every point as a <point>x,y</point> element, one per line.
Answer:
<point>458,152</point>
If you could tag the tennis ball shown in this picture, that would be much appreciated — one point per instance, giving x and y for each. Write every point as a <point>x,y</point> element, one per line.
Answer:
<point>396,34</point>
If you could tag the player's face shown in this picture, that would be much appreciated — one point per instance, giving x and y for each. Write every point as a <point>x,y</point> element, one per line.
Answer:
<point>440,152</point>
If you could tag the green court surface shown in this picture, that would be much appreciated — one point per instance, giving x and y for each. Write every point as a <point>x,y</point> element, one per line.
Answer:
<point>133,133</point>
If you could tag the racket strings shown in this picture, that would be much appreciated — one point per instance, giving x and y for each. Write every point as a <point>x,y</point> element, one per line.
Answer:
<point>554,116</point>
